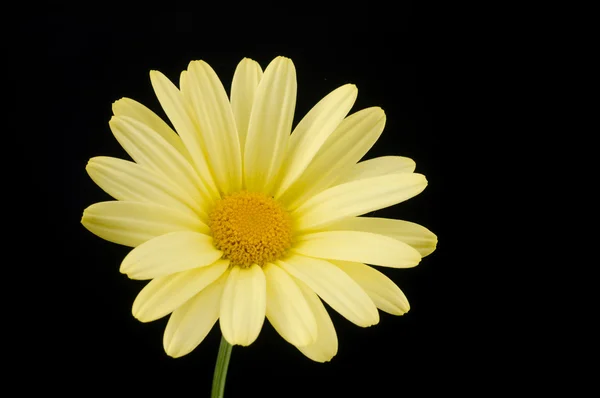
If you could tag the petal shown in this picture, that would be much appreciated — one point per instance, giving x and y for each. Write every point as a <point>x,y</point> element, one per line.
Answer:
<point>128,181</point>
<point>345,146</point>
<point>385,294</point>
<point>364,247</point>
<point>218,134</point>
<point>270,125</point>
<point>186,89</point>
<point>287,309</point>
<point>357,197</point>
<point>243,88</point>
<point>179,111</point>
<point>326,345</point>
<point>170,253</point>
<point>135,110</point>
<point>334,286</point>
<point>149,149</point>
<point>133,223</point>
<point>410,233</point>
<point>165,294</point>
<point>243,305</point>
<point>313,130</point>
<point>378,167</point>
<point>190,323</point>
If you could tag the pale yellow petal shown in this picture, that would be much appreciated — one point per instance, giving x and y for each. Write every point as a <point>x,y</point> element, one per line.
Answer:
<point>190,323</point>
<point>357,197</point>
<point>410,233</point>
<point>355,135</point>
<point>378,167</point>
<point>133,223</point>
<point>364,247</point>
<point>383,291</point>
<point>334,286</point>
<point>150,150</point>
<point>287,309</point>
<point>326,345</point>
<point>186,89</point>
<point>128,181</point>
<point>170,253</point>
<point>243,89</point>
<point>243,305</point>
<point>163,295</point>
<point>135,110</point>
<point>270,125</point>
<point>218,133</point>
<point>312,132</point>
<point>179,111</point>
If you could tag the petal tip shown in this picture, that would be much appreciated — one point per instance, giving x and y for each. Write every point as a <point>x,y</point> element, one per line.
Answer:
<point>284,62</point>
<point>128,267</point>
<point>374,321</point>
<point>117,104</point>
<point>114,119</point>
<point>196,63</point>
<point>173,354</point>
<point>90,165</point>
<point>176,352</point>
<point>155,75</point>
<point>85,216</point>
<point>140,312</point>
<point>351,87</point>
<point>171,349</point>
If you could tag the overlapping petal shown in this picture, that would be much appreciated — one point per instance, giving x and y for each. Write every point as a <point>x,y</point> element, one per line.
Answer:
<point>190,323</point>
<point>128,181</point>
<point>350,141</point>
<point>149,149</point>
<point>356,198</point>
<point>334,286</point>
<point>134,110</point>
<point>287,309</point>
<point>312,132</point>
<point>163,295</point>
<point>415,235</point>
<point>378,167</point>
<point>326,345</point>
<point>243,305</point>
<point>179,110</point>
<point>170,253</point>
<point>218,135</point>
<point>270,125</point>
<point>133,223</point>
<point>358,246</point>
<point>385,294</point>
<point>243,90</point>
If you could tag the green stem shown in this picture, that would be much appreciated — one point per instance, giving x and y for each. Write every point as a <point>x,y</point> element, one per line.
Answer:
<point>218,386</point>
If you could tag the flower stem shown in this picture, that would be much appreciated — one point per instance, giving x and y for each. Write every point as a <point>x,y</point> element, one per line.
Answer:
<point>218,386</point>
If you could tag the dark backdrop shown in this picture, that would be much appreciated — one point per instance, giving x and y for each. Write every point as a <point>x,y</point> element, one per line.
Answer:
<point>79,64</point>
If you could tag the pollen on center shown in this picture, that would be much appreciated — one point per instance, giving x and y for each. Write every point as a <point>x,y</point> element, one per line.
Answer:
<point>250,228</point>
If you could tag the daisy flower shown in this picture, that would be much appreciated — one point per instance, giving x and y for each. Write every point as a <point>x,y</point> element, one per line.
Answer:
<point>235,217</point>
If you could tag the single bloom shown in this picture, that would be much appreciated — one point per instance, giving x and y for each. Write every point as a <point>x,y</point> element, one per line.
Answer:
<point>235,217</point>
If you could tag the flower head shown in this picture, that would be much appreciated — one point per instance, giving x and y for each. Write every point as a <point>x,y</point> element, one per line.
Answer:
<point>235,217</point>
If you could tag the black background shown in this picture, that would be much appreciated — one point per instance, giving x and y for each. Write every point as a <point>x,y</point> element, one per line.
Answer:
<point>79,64</point>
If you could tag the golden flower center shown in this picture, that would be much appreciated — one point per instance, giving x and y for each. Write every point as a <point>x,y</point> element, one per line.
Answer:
<point>250,228</point>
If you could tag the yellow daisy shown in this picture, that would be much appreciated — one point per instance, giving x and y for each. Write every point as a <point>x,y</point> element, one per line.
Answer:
<point>235,217</point>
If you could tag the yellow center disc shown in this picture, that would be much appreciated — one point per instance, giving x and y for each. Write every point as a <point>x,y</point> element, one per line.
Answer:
<point>250,228</point>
